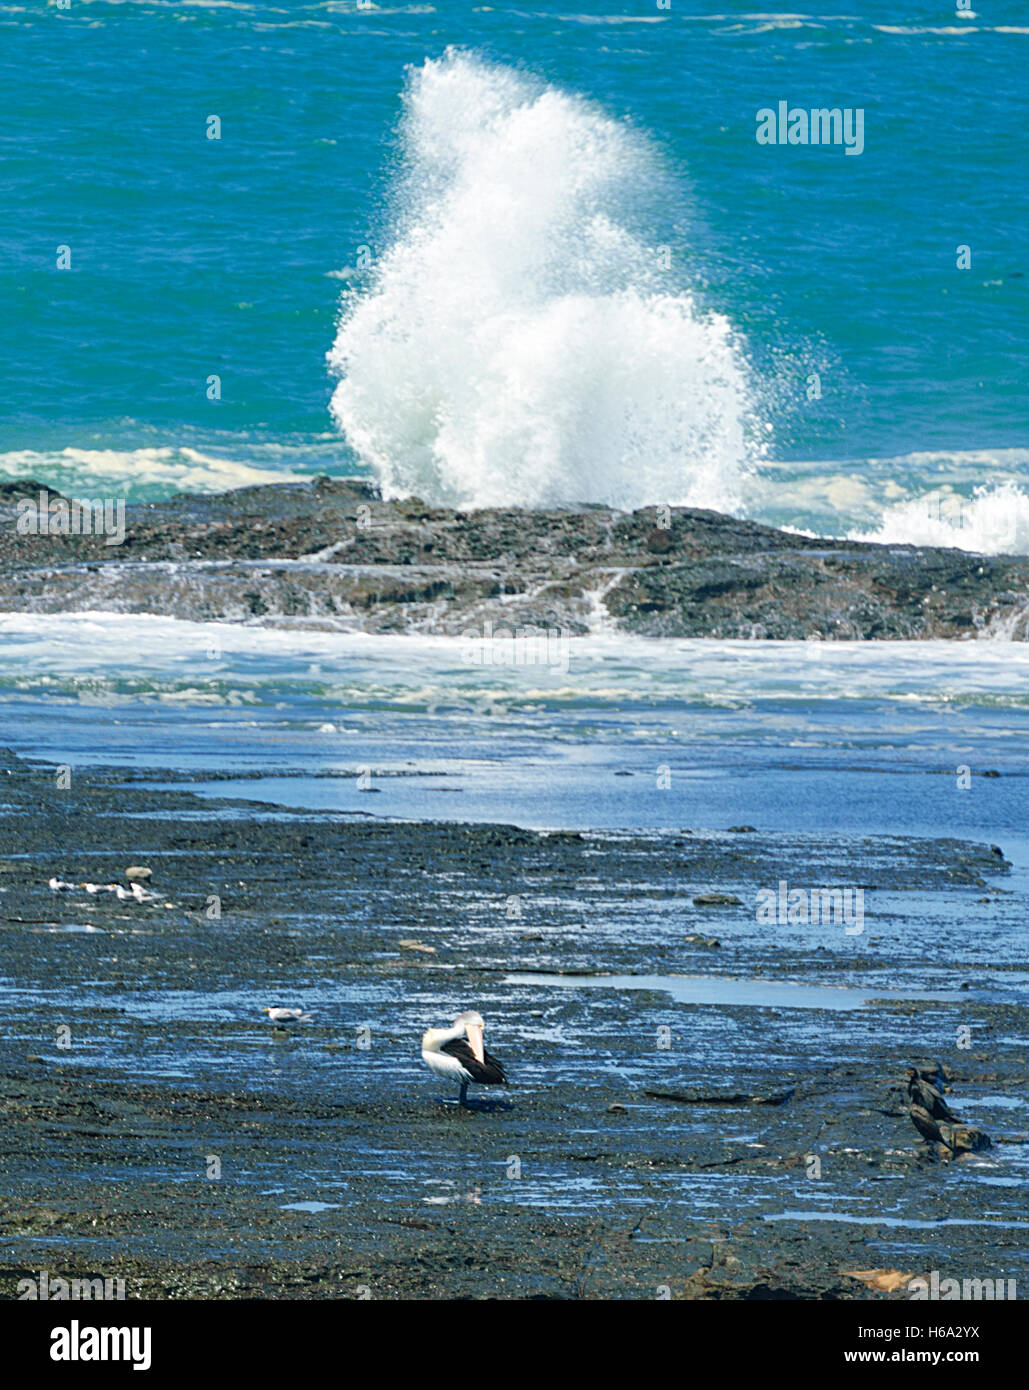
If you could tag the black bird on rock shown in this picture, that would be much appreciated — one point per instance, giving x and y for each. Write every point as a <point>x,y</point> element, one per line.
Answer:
<point>928,1098</point>
<point>926,1126</point>
<point>958,1139</point>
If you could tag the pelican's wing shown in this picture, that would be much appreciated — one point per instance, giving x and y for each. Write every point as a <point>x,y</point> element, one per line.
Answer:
<point>488,1072</point>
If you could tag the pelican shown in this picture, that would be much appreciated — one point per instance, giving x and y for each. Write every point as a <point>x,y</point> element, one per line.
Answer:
<point>446,1052</point>
<point>285,1018</point>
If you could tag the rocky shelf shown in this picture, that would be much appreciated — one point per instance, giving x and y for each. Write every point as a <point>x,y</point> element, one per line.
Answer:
<point>331,553</point>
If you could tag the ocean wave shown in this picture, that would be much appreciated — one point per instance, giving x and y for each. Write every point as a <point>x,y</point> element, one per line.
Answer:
<point>972,499</point>
<point>135,473</point>
<point>151,658</point>
<point>518,342</point>
<point>993,521</point>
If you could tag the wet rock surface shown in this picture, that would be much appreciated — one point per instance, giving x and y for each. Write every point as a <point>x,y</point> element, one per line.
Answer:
<point>332,553</point>
<point>158,1131</point>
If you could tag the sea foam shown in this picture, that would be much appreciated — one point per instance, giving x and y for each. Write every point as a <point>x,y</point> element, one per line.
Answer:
<point>993,521</point>
<point>135,473</point>
<point>519,341</point>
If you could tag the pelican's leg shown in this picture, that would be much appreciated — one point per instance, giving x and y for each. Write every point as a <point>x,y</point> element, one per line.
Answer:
<point>464,1095</point>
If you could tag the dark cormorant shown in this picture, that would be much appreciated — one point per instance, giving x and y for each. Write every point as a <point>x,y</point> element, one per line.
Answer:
<point>928,1098</point>
<point>926,1126</point>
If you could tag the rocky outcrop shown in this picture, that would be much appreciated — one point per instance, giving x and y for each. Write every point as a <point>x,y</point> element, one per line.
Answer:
<point>333,553</point>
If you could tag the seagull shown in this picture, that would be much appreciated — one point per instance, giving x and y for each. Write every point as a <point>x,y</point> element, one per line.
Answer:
<point>929,1098</point>
<point>457,1053</point>
<point>285,1018</point>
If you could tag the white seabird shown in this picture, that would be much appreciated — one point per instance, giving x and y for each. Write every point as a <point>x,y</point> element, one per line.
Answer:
<point>285,1018</point>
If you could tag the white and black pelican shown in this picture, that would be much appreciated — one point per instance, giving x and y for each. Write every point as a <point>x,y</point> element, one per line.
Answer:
<point>457,1053</point>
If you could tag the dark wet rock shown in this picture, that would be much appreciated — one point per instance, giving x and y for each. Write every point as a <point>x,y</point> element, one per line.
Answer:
<point>777,1098</point>
<point>332,553</point>
<point>692,1098</point>
<point>13,491</point>
<point>965,1138</point>
<point>717,900</point>
<point>737,1098</point>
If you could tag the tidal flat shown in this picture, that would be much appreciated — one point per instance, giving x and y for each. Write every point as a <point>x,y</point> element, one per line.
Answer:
<point>687,1128</point>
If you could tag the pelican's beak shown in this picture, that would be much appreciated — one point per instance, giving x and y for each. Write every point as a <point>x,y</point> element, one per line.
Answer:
<point>474,1033</point>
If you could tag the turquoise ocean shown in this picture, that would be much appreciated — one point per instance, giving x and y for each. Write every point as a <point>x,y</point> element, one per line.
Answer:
<point>543,245</point>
